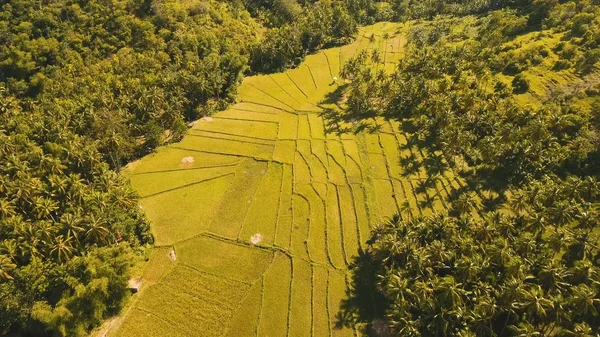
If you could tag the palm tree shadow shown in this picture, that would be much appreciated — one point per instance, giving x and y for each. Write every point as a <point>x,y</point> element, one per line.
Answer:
<point>335,97</point>
<point>364,303</point>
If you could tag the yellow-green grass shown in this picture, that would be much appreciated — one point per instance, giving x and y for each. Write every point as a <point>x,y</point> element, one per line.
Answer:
<point>301,308</point>
<point>392,155</point>
<point>361,209</point>
<point>283,235</point>
<point>288,126</point>
<point>302,174</point>
<point>317,148</point>
<point>284,151</point>
<point>246,318</point>
<point>201,308</point>
<point>319,69</point>
<point>365,201</point>
<point>250,115</point>
<point>318,169</point>
<point>301,222</point>
<point>251,94</point>
<point>226,147</point>
<point>316,126</point>
<point>253,129</point>
<point>140,323</point>
<point>170,159</point>
<point>386,201</point>
<point>353,171</point>
<point>223,292</point>
<point>149,184</point>
<point>183,213</point>
<point>230,213</point>
<point>335,171</point>
<point>303,127</point>
<point>351,149</point>
<point>158,265</point>
<point>228,260</point>
<point>256,107</point>
<point>286,83</point>
<point>336,150</point>
<point>407,196</point>
<point>320,312</point>
<point>335,234</point>
<point>316,230</point>
<point>302,78</point>
<point>337,294</point>
<point>333,56</point>
<point>267,85</point>
<point>276,296</point>
<point>232,137</point>
<point>349,220</point>
<point>321,189</point>
<point>262,215</point>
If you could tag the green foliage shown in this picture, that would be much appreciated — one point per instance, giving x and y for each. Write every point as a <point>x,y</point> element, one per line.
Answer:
<point>520,84</point>
<point>66,224</point>
<point>126,75</point>
<point>500,276</point>
<point>528,267</point>
<point>322,24</point>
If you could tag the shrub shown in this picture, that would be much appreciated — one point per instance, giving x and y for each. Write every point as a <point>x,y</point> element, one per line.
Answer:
<point>520,84</point>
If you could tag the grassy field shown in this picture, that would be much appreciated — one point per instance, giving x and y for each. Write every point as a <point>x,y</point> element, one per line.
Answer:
<point>258,211</point>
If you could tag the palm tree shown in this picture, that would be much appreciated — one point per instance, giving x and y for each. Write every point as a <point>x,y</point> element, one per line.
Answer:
<point>6,267</point>
<point>62,249</point>
<point>7,208</point>
<point>449,293</point>
<point>518,203</point>
<point>71,225</point>
<point>95,230</point>
<point>44,208</point>
<point>584,300</point>
<point>464,204</point>
<point>534,303</point>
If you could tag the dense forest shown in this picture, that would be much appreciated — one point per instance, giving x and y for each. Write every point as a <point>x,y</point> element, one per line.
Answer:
<point>88,86</point>
<point>470,89</point>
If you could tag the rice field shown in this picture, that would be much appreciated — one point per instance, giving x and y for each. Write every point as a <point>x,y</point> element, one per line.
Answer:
<point>258,212</point>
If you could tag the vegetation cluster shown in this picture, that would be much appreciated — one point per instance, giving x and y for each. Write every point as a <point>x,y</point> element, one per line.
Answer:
<point>472,92</point>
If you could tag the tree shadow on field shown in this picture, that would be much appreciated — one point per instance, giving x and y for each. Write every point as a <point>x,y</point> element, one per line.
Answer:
<point>335,97</point>
<point>364,303</point>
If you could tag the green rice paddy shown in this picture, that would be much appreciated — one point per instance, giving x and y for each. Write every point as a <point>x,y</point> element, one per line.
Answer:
<point>255,230</point>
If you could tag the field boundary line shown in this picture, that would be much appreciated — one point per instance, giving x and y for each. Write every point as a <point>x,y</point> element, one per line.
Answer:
<point>243,119</point>
<point>296,84</point>
<point>233,135</point>
<point>232,140</point>
<point>341,223</point>
<point>187,185</point>
<point>328,63</point>
<point>311,75</point>
<point>282,88</point>
<point>233,107</point>
<point>224,154</point>
<point>188,169</point>
<point>267,105</point>
<point>273,97</point>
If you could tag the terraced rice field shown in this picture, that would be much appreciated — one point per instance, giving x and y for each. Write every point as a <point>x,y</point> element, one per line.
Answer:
<point>258,212</point>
